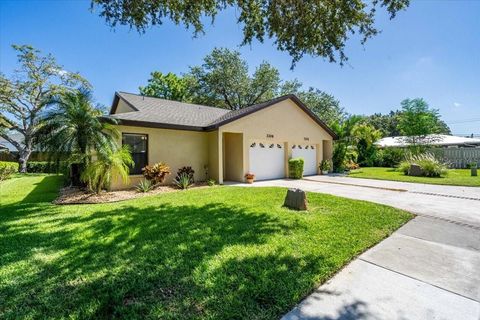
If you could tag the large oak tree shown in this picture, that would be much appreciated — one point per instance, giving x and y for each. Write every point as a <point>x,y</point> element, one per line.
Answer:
<point>316,27</point>
<point>27,93</point>
<point>224,80</point>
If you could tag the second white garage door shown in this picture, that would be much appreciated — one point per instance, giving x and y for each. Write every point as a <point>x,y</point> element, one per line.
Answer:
<point>267,160</point>
<point>309,155</point>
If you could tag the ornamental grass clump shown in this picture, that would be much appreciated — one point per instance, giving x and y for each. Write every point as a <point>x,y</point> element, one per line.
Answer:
<point>430,166</point>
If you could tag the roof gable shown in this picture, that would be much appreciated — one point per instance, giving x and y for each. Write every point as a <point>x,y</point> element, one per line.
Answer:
<point>240,113</point>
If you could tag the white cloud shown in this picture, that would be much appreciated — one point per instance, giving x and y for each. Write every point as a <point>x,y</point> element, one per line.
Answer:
<point>457,104</point>
<point>61,72</point>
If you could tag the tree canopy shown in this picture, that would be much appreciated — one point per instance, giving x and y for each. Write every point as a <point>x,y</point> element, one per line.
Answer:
<point>318,28</point>
<point>387,124</point>
<point>167,86</point>
<point>26,94</point>
<point>324,105</point>
<point>224,80</point>
<point>417,121</point>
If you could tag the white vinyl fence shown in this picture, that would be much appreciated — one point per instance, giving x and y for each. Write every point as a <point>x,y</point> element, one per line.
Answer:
<point>457,157</point>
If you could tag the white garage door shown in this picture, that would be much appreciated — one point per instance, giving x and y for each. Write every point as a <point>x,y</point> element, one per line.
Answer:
<point>309,155</point>
<point>267,160</point>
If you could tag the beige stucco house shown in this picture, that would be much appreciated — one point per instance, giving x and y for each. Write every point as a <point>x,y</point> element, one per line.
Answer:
<point>217,143</point>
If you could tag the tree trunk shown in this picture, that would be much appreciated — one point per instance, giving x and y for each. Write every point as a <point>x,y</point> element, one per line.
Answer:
<point>22,160</point>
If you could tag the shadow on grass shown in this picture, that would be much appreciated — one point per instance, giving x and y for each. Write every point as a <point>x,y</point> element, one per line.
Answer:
<point>162,261</point>
<point>165,258</point>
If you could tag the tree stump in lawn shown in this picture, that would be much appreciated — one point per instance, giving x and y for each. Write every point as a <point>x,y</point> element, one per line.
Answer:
<point>296,199</point>
<point>415,170</point>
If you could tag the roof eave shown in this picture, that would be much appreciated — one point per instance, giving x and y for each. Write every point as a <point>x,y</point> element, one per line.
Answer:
<point>147,124</point>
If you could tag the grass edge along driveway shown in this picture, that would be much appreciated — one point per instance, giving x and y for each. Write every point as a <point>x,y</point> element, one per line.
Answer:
<point>215,253</point>
<point>455,177</point>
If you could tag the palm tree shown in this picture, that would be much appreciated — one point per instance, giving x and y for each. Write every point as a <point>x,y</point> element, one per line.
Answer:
<point>113,163</point>
<point>364,137</point>
<point>343,152</point>
<point>74,128</point>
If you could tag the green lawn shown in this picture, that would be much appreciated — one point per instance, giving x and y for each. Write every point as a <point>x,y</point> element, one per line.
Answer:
<point>215,253</point>
<point>455,177</point>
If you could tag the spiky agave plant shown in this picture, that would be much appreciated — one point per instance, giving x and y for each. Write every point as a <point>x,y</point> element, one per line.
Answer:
<point>109,163</point>
<point>183,181</point>
<point>144,186</point>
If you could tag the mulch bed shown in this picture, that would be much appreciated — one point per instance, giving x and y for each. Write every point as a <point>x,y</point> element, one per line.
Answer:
<point>75,195</point>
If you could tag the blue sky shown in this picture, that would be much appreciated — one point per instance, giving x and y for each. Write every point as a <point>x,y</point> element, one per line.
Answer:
<point>431,50</point>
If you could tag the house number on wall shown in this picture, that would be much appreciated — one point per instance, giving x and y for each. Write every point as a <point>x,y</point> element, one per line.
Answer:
<point>306,138</point>
<point>269,135</point>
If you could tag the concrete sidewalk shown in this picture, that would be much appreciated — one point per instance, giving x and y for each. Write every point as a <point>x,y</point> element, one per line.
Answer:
<point>428,269</point>
<point>414,274</point>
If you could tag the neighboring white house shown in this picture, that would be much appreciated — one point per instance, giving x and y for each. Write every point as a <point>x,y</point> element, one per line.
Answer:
<point>457,152</point>
<point>438,140</point>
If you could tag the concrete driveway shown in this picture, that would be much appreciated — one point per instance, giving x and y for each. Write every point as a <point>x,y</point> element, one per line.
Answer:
<point>428,269</point>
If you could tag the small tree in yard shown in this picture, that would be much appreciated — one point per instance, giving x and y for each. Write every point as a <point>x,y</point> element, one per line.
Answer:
<point>27,93</point>
<point>99,173</point>
<point>73,127</point>
<point>417,121</point>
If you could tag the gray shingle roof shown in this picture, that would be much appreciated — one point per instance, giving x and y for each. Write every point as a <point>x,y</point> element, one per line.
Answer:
<point>168,112</point>
<point>156,112</point>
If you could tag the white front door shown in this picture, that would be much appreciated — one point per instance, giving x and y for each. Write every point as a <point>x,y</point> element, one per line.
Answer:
<point>267,160</point>
<point>309,155</point>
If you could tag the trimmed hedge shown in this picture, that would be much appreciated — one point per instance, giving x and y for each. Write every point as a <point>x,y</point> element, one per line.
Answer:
<point>7,169</point>
<point>295,168</point>
<point>46,167</point>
